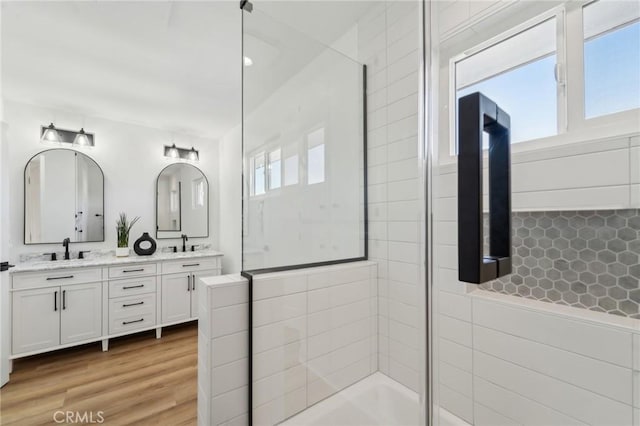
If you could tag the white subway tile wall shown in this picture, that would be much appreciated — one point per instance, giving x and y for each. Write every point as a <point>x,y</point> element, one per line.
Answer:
<point>507,360</point>
<point>223,351</point>
<point>388,44</point>
<point>315,332</point>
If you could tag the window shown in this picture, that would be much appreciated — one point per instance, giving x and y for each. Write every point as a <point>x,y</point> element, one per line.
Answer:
<point>198,193</point>
<point>315,157</point>
<point>174,201</point>
<point>259,186</point>
<point>569,75</point>
<point>611,32</point>
<point>519,75</point>
<point>291,170</point>
<point>275,169</point>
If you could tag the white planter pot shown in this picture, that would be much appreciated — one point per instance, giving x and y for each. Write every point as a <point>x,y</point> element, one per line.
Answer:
<point>122,251</point>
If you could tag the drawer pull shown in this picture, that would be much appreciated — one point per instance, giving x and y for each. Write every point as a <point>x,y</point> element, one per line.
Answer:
<point>59,278</point>
<point>132,286</point>
<point>133,270</point>
<point>131,322</point>
<point>126,305</point>
<point>191,264</point>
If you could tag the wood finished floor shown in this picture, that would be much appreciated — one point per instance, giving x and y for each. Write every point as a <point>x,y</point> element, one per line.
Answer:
<point>141,380</point>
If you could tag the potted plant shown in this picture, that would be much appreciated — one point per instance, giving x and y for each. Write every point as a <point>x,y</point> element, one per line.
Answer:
<point>123,227</point>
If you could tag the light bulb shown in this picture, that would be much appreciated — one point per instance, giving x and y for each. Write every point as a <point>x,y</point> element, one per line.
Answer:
<point>173,151</point>
<point>50,134</point>
<point>81,138</point>
<point>193,154</point>
<point>247,61</point>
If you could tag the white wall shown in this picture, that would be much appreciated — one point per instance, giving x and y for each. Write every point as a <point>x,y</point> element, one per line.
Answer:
<point>388,45</point>
<point>5,202</point>
<point>231,201</point>
<point>503,360</point>
<point>131,158</point>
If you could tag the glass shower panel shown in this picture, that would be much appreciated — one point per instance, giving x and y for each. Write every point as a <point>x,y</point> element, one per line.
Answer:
<point>528,348</point>
<point>303,148</point>
<point>313,329</point>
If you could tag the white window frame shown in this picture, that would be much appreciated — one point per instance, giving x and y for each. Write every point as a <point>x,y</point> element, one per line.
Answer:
<point>573,127</point>
<point>623,121</point>
<point>258,155</point>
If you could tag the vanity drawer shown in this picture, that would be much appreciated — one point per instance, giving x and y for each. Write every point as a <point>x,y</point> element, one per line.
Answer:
<point>57,277</point>
<point>133,270</point>
<point>190,265</point>
<point>132,323</point>
<point>132,286</point>
<point>127,307</point>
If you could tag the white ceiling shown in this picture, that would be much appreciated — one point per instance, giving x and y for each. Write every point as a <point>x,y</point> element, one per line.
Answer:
<point>173,66</point>
<point>169,65</point>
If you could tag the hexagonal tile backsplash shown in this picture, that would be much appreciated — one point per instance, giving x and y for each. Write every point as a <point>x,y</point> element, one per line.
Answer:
<point>586,259</point>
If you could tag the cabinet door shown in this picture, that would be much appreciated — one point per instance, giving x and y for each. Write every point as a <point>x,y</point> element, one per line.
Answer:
<point>176,297</point>
<point>35,319</point>
<point>81,312</point>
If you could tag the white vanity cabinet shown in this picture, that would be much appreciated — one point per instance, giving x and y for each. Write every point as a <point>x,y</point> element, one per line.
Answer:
<point>49,315</point>
<point>61,307</point>
<point>179,288</point>
<point>132,298</point>
<point>36,319</point>
<point>81,312</point>
<point>176,298</point>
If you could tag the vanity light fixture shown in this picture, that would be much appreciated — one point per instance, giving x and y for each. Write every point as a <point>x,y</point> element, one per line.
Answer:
<point>181,153</point>
<point>51,133</point>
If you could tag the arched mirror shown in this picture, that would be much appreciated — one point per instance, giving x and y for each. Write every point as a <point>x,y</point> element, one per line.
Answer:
<point>63,198</point>
<point>182,202</point>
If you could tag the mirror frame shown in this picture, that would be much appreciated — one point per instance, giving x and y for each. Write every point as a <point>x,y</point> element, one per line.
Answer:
<point>24,198</point>
<point>208,196</point>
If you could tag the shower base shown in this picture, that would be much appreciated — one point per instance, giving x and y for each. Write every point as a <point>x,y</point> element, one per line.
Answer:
<point>374,401</point>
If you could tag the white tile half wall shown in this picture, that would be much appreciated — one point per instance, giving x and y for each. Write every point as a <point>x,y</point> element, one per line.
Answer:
<point>223,350</point>
<point>315,332</point>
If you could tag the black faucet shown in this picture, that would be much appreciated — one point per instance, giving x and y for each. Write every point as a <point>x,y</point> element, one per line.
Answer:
<point>184,242</point>
<point>65,244</point>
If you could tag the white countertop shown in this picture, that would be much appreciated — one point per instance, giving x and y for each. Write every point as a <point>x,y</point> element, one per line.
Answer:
<point>109,260</point>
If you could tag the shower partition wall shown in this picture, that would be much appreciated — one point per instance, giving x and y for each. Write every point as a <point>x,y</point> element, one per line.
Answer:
<point>304,149</point>
<point>336,331</point>
<point>304,152</point>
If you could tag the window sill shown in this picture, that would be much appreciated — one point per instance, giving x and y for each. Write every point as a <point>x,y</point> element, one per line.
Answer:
<point>603,134</point>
